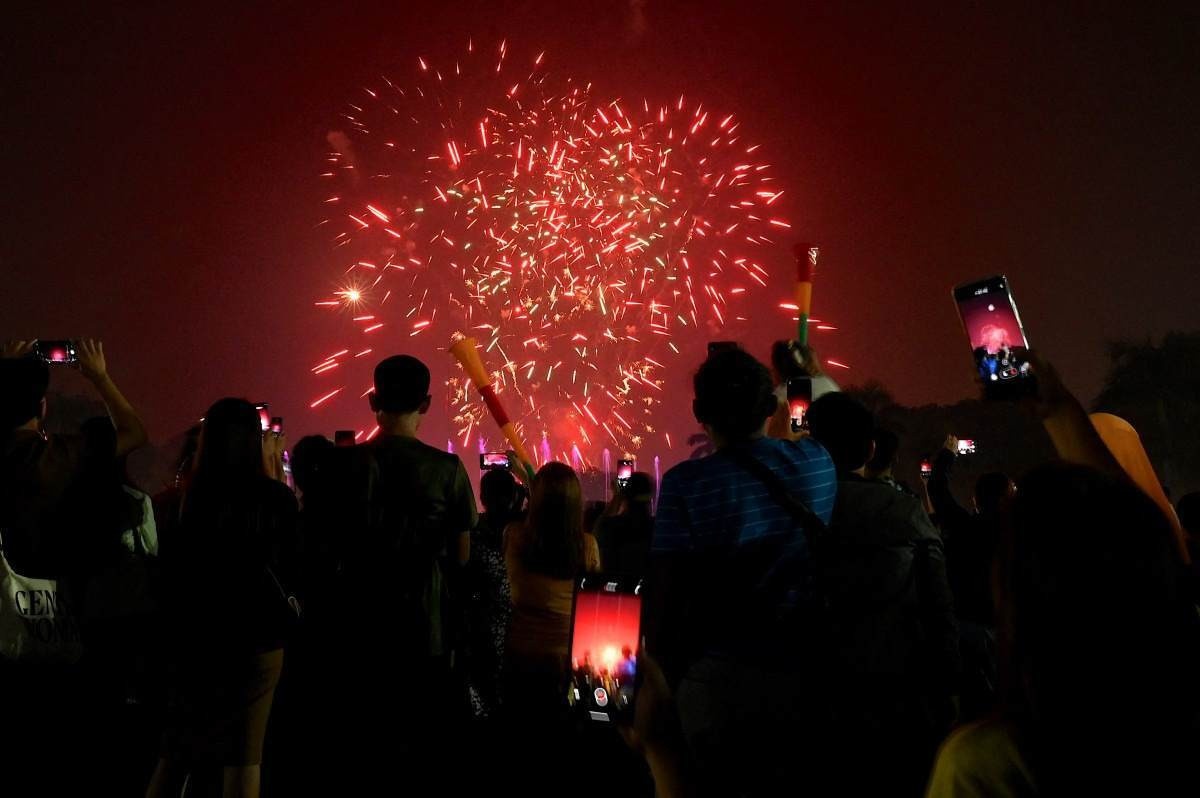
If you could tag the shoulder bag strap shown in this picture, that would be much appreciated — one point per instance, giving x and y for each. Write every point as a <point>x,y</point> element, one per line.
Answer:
<point>814,528</point>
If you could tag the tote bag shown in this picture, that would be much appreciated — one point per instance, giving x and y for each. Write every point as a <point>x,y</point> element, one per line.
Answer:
<point>36,621</point>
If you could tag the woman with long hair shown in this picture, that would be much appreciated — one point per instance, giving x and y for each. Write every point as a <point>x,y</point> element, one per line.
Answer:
<point>224,566</point>
<point>544,553</point>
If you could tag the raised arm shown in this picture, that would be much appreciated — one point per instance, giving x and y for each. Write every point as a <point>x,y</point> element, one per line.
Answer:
<point>950,514</point>
<point>15,349</point>
<point>1067,423</point>
<point>131,433</point>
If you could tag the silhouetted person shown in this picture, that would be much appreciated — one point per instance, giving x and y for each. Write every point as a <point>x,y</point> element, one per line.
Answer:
<point>39,470</point>
<point>624,536</point>
<point>882,465</point>
<point>544,554</point>
<point>793,359</point>
<point>1100,650</point>
<point>894,640</point>
<point>47,533</point>
<point>117,538</point>
<point>721,537</point>
<point>972,540</point>
<point>227,555</point>
<point>489,599</point>
<point>308,460</point>
<point>407,510</point>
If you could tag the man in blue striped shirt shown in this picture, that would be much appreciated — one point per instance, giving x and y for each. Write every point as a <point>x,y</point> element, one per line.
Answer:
<point>718,534</point>
<point>714,503</point>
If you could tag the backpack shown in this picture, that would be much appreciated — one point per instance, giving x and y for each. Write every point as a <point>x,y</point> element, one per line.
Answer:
<point>386,555</point>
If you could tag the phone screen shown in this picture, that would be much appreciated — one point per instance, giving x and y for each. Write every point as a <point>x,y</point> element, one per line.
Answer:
<point>993,326</point>
<point>966,446</point>
<point>926,468</point>
<point>605,632</point>
<point>57,352</point>
<point>277,425</point>
<point>343,437</point>
<point>489,461</point>
<point>624,472</point>
<point>264,415</point>
<point>799,395</point>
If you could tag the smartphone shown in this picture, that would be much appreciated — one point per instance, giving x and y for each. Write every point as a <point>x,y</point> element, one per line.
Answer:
<point>264,415</point>
<point>57,352</point>
<point>276,425</point>
<point>605,633</point>
<point>799,397</point>
<point>966,446</point>
<point>926,468</point>
<point>343,437</point>
<point>492,461</point>
<point>997,338</point>
<point>624,472</point>
<point>721,346</point>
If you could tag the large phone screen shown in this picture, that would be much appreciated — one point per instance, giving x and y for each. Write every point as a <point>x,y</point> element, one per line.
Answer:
<point>605,630</point>
<point>993,326</point>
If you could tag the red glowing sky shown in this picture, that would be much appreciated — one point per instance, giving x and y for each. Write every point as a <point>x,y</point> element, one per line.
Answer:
<point>161,185</point>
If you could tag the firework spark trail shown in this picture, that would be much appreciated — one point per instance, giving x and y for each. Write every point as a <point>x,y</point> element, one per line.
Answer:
<point>575,238</point>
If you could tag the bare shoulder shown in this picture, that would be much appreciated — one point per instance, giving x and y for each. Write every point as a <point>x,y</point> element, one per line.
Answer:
<point>591,550</point>
<point>514,534</point>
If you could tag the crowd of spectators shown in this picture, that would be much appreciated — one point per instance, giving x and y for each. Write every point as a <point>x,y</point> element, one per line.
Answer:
<point>812,625</point>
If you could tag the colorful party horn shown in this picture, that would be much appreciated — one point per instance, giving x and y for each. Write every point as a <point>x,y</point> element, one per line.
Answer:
<point>806,265</point>
<point>466,353</point>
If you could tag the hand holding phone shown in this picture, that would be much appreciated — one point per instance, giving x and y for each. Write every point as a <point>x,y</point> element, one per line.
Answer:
<point>14,349</point>
<point>624,472</point>
<point>264,416</point>
<point>276,425</point>
<point>605,638</point>
<point>996,336</point>
<point>926,467</point>
<point>799,397</point>
<point>965,446</point>
<point>492,461</point>
<point>57,353</point>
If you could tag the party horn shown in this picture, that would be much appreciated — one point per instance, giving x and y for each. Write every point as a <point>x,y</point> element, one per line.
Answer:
<point>467,355</point>
<point>806,264</point>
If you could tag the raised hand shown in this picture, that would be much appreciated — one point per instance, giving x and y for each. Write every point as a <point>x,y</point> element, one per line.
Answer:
<point>15,349</point>
<point>273,447</point>
<point>90,354</point>
<point>1051,394</point>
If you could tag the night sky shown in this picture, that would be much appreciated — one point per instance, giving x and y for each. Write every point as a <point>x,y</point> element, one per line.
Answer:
<point>161,168</point>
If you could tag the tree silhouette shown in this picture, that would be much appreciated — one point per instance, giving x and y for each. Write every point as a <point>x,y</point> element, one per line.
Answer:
<point>1156,388</point>
<point>873,395</point>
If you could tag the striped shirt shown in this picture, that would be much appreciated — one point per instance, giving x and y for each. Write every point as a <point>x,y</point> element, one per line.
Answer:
<point>713,502</point>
